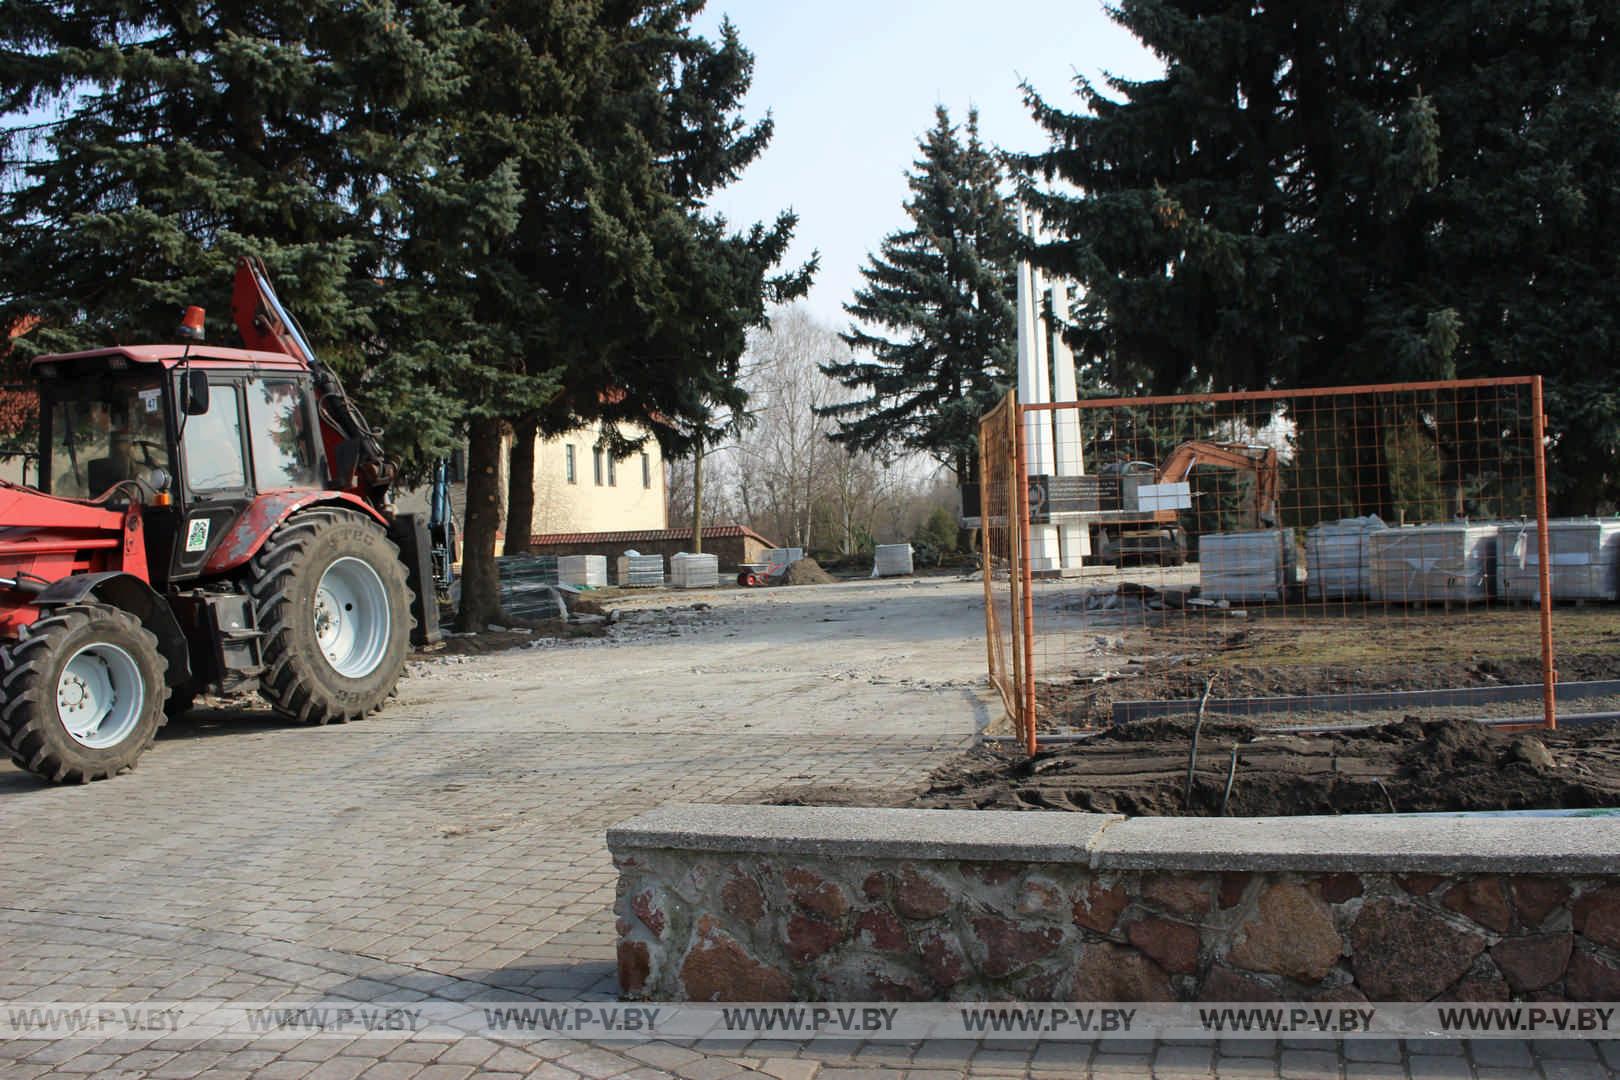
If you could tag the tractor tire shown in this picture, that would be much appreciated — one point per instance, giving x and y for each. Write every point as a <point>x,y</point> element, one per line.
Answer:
<point>331,599</point>
<point>83,693</point>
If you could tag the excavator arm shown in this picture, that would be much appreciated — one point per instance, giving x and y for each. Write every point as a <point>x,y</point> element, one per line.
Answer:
<point>1260,460</point>
<point>359,464</point>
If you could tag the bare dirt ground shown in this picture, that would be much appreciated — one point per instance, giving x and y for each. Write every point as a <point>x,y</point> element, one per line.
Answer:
<point>1088,660</point>
<point>1244,770</point>
<point>1407,759</point>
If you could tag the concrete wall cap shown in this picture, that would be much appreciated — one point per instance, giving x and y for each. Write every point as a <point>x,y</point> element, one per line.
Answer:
<point>852,831</point>
<point>1353,843</point>
<point>1365,843</point>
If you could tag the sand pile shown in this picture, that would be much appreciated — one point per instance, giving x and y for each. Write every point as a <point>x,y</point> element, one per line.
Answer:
<point>806,572</point>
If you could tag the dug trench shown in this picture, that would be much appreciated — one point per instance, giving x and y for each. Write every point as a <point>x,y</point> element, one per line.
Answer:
<point>1141,769</point>
<point>1391,761</point>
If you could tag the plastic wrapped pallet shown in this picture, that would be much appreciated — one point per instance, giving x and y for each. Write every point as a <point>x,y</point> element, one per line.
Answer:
<point>1249,567</point>
<point>892,560</point>
<point>529,586</point>
<point>1585,563</point>
<point>1336,558</point>
<point>1432,564</point>
<point>588,570</point>
<point>692,571</point>
<point>638,571</point>
<point>539,569</point>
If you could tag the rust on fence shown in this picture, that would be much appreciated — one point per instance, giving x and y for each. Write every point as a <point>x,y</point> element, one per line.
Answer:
<point>1299,552</point>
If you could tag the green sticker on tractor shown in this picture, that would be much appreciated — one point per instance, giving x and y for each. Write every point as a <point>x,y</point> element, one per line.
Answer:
<point>197,535</point>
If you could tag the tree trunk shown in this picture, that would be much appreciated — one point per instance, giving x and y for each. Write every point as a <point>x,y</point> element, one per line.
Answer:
<point>520,487</point>
<point>480,579</point>
<point>967,472</point>
<point>697,499</point>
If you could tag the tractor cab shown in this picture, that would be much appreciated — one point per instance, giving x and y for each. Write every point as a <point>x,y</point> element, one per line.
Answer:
<point>195,436</point>
<point>208,520</point>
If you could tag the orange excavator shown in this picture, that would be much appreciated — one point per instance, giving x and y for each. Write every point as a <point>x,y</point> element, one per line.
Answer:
<point>1146,525</point>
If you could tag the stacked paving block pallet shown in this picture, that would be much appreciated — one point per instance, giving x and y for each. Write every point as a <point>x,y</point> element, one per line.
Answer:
<point>892,560</point>
<point>589,570</point>
<point>1247,567</point>
<point>638,571</point>
<point>1336,559</point>
<point>691,571</point>
<point>1585,560</point>
<point>529,586</point>
<point>1428,564</point>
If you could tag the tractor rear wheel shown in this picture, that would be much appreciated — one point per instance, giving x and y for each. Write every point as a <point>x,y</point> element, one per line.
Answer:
<point>330,594</point>
<point>83,693</point>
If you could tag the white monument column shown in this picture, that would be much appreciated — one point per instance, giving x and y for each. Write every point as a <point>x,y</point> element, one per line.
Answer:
<point>1035,388</point>
<point>1074,540</point>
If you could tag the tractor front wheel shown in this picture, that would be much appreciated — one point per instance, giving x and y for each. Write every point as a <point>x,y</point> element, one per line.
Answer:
<point>83,693</point>
<point>331,598</point>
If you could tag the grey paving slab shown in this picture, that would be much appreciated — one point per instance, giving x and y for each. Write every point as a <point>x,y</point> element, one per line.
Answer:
<point>1564,1069</point>
<point>1309,1065</point>
<point>1500,1053</point>
<point>1436,1067</point>
<point>1385,1050</point>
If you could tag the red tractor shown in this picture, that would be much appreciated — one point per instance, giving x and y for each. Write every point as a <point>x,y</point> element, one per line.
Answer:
<point>206,520</point>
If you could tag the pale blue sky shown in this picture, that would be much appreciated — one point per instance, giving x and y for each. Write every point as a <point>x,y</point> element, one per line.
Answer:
<point>852,84</point>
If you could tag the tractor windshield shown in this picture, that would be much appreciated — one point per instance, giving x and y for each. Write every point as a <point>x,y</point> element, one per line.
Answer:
<point>101,431</point>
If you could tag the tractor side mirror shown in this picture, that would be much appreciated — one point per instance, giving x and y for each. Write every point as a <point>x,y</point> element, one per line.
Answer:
<point>194,394</point>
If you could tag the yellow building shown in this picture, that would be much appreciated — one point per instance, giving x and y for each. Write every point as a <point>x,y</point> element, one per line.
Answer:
<point>581,488</point>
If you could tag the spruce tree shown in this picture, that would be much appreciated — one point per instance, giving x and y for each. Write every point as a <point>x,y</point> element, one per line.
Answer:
<point>145,147</point>
<point>614,296</point>
<point>1319,193</point>
<point>935,319</point>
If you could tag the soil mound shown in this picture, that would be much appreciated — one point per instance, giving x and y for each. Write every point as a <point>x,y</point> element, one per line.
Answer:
<point>1412,765</point>
<point>807,572</point>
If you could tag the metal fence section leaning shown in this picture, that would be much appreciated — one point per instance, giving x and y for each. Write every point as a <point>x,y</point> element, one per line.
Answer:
<point>1003,527</point>
<point>1290,559</point>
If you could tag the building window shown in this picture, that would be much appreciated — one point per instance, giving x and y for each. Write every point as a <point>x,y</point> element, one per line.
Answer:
<point>613,474</point>
<point>646,471</point>
<point>568,464</point>
<point>596,455</point>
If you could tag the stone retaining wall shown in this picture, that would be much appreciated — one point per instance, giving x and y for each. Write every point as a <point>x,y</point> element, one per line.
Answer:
<point>783,903</point>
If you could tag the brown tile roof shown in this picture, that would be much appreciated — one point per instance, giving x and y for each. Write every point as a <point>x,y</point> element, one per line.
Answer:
<point>17,410</point>
<point>643,536</point>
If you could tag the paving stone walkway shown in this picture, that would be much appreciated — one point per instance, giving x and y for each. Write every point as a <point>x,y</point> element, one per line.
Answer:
<point>452,849</point>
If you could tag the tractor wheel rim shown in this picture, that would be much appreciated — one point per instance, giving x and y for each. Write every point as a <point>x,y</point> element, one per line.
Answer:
<point>352,617</point>
<point>100,696</point>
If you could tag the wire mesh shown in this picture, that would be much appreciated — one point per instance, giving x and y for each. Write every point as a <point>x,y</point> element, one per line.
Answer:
<point>1299,558</point>
<point>1001,558</point>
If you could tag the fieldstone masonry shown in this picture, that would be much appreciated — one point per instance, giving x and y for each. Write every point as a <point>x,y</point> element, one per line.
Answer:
<point>728,903</point>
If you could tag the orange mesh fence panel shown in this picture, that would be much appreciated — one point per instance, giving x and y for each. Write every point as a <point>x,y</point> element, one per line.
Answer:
<point>999,557</point>
<point>1290,559</point>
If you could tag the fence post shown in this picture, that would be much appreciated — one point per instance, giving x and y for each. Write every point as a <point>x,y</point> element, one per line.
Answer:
<point>1549,669</point>
<point>1024,640</point>
<point>987,475</point>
